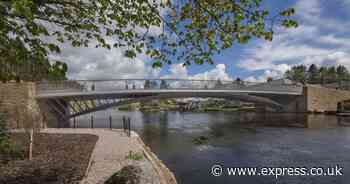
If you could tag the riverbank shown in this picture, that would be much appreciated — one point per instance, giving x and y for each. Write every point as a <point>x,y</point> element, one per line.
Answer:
<point>86,156</point>
<point>112,153</point>
<point>176,106</point>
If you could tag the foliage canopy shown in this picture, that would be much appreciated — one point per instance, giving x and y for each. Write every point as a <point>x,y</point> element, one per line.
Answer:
<point>192,31</point>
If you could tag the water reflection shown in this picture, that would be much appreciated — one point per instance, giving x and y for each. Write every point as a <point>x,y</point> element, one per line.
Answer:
<point>240,140</point>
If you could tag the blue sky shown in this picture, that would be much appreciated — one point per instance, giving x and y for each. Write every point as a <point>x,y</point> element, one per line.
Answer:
<point>322,38</point>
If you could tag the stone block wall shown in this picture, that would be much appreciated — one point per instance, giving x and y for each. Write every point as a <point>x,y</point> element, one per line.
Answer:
<point>320,99</point>
<point>17,98</point>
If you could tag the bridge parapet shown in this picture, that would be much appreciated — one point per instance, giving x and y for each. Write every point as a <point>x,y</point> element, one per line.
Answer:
<point>162,84</point>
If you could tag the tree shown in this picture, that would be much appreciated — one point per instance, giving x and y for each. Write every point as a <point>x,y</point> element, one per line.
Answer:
<point>58,71</point>
<point>313,74</point>
<point>297,73</point>
<point>192,30</point>
<point>331,75</point>
<point>342,73</point>
<point>323,74</point>
<point>317,75</point>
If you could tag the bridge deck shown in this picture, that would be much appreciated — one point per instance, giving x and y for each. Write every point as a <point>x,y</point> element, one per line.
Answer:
<point>62,94</point>
<point>83,97</point>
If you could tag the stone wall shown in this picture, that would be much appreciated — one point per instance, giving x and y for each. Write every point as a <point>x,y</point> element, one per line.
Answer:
<point>320,99</point>
<point>19,103</point>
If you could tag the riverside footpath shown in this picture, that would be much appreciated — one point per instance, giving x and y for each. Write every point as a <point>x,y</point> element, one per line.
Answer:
<point>111,155</point>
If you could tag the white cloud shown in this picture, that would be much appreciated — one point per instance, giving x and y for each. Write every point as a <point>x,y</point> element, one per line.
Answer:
<point>334,40</point>
<point>275,73</point>
<point>178,71</point>
<point>307,44</point>
<point>219,72</point>
<point>99,63</point>
<point>310,10</point>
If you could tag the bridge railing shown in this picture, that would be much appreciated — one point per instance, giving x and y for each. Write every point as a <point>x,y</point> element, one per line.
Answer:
<point>161,84</point>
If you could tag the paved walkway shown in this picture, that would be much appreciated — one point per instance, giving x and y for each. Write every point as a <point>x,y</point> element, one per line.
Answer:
<point>110,153</point>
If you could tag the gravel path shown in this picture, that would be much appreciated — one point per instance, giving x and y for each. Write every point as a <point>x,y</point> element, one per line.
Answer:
<point>110,153</point>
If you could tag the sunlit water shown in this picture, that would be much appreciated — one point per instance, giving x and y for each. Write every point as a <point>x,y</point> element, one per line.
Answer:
<point>240,140</point>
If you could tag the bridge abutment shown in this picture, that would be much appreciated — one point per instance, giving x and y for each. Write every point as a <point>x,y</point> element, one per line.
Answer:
<point>320,99</point>
<point>23,109</point>
<point>314,99</point>
<point>18,101</point>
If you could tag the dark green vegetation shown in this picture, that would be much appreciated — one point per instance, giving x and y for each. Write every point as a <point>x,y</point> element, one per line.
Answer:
<point>188,31</point>
<point>65,161</point>
<point>318,75</point>
<point>127,175</point>
<point>135,156</point>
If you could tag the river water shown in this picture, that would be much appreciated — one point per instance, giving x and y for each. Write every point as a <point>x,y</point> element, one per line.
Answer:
<point>240,139</point>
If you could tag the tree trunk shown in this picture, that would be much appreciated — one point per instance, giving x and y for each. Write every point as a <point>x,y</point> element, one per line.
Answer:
<point>31,144</point>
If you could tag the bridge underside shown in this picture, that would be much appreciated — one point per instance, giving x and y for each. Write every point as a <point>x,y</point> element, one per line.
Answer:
<point>69,106</point>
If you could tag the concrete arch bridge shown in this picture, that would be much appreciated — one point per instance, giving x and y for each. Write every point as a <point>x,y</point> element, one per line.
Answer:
<point>68,99</point>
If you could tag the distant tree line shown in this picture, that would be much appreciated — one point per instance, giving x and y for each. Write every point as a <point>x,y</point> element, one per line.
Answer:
<point>318,75</point>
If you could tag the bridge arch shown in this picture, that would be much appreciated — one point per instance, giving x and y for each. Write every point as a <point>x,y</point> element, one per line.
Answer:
<point>68,99</point>
<point>240,97</point>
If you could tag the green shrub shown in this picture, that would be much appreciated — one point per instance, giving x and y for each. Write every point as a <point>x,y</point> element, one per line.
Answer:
<point>134,156</point>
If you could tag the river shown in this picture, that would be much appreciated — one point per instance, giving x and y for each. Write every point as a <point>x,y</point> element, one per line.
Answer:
<point>240,139</point>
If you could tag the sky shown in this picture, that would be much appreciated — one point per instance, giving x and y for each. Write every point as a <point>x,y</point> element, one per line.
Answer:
<point>322,38</point>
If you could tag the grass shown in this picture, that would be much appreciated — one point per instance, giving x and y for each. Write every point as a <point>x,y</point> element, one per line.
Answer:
<point>135,156</point>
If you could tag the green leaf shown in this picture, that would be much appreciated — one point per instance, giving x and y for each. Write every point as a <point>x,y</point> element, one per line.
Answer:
<point>157,64</point>
<point>290,24</point>
<point>287,13</point>
<point>130,54</point>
